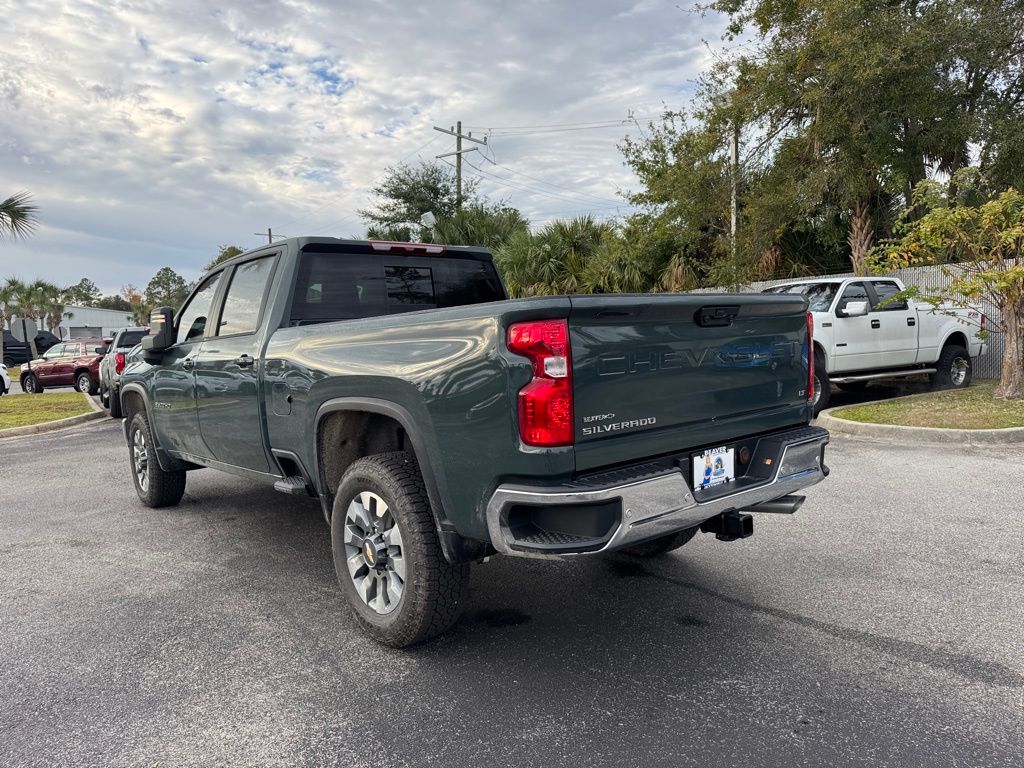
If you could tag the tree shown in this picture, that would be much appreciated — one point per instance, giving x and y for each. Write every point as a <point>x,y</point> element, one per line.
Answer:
<point>983,245</point>
<point>114,302</point>
<point>226,252</point>
<point>18,216</point>
<point>137,306</point>
<point>842,109</point>
<point>407,192</point>
<point>167,288</point>
<point>84,293</point>
<point>490,226</point>
<point>553,260</point>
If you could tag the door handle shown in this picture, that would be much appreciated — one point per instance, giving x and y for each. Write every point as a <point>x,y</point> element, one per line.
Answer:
<point>188,363</point>
<point>244,361</point>
<point>911,321</point>
<point>876,323</point>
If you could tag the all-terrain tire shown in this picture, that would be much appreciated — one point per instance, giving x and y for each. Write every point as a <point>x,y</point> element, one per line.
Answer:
<point>114,404</point>
<point>434,591</point>
<point>156,486</point>
<point>822,387</point>
<point>955,369</point>
<point>662,545</point>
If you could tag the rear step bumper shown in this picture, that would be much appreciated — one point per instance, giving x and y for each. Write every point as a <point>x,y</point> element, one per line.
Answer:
<point>578,519</point>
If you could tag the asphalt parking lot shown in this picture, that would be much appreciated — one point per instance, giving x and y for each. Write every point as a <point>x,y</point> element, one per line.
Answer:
<point>880,625</point>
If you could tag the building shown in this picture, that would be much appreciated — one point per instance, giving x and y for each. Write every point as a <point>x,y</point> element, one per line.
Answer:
<point>91,322</point>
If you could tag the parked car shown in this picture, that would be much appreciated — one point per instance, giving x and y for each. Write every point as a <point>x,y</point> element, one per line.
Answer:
<point>864,332</point>
<point>440,423</point>
<point>67,364</point>
<point>5,380</point>
<point>18,352</point>
<point>121,342</point>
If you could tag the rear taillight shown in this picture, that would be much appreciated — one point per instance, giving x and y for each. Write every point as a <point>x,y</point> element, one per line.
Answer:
<point>545,404</point>
<point>810,356</point>
<point>119,362</point>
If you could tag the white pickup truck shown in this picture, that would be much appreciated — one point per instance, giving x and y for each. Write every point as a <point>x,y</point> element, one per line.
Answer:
<point>862,334</point>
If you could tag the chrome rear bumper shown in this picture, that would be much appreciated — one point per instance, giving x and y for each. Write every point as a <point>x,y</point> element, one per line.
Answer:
<point>655,504</point>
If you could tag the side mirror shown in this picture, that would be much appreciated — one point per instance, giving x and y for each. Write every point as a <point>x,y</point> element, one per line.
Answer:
<point>161,332</point>
<point>854,309</point>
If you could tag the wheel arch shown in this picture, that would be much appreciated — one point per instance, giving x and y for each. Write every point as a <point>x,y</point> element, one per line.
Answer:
<point>134,400</point>
<point>374,426</point>
<point>956,338</point>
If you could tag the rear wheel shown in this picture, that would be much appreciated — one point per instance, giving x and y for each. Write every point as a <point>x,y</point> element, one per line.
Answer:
<point>660,546</point>
<point>114,403</point>
<point>30,384</point>
<point>156,487</point>
<point>387,556</point>
<point>85,383</point>
<point>954,369</point>
<point>822,387</point>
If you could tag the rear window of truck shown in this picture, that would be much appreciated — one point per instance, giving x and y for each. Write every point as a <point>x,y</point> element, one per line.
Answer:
<point>129,339</point>
<point>339,286</point>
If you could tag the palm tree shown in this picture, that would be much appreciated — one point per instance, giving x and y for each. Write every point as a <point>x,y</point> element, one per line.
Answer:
<point>18,216</point>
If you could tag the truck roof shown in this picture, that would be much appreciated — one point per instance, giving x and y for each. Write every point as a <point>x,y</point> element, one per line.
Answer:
<point>370,246</point>
<point>816,280</point>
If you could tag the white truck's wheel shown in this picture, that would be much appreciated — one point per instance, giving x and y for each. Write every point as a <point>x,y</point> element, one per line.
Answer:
<point>955,369</point>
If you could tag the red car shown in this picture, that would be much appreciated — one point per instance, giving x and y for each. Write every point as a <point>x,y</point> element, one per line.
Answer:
<point>67,364</point>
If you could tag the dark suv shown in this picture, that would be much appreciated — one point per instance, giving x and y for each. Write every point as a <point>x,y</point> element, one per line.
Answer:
<point>18,352</point>
<point>67,364</point>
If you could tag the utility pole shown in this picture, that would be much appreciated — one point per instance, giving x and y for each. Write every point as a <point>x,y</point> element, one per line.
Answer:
<point>456,131</point>
<point>734,167</point>
<point>270,235</point>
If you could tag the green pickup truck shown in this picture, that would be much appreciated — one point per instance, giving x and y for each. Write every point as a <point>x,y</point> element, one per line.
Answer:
<point>439,422</point>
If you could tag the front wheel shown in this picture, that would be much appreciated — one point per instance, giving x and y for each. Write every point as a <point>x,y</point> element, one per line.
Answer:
<point>156,486</point>
<point>955,370</point>
<point>387,556</point>
<point>30,385</point>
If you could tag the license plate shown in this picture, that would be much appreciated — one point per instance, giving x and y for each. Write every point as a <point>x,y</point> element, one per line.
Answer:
<point>713,467</point>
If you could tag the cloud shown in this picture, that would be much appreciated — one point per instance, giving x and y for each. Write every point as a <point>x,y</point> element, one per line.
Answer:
<point>150,133</point>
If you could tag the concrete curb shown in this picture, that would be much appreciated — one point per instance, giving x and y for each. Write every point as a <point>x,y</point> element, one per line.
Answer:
<point>53,426</point>
<point>912,435</point>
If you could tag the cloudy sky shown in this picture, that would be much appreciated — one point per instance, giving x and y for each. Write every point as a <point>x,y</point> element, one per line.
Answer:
<point>150,133</point>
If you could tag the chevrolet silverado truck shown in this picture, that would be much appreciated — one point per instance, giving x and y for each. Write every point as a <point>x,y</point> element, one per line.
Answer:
<point>439,422</point>
<point>866,331</point>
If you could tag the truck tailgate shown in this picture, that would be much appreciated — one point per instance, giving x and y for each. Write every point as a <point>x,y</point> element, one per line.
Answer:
<point>656,374</point>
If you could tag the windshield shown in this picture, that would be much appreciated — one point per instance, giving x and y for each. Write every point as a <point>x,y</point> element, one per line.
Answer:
<point>819,295</point>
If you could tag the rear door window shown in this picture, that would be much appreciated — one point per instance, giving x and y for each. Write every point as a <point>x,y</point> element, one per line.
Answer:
<point>884,291</point>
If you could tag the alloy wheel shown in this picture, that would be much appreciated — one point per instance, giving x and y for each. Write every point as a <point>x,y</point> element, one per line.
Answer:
<point>958,372</point>
<point>374,552</point>
<point>140,459</point>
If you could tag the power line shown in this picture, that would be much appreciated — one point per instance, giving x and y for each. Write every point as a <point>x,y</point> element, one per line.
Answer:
<point>456,131</point>
<point>511,183</point>
<point>597,123</point>
<point>595,198</point>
